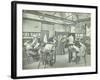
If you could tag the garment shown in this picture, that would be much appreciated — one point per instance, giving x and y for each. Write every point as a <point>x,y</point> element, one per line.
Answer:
<point>76,48</point>
<point>34,41</point>
<point>36,46</point>
<point>73,51</point>
<point>28,49</point>
<point>45,39</point>
<point>71,39</point>
<point>48,46</point>
<point>82,49</point>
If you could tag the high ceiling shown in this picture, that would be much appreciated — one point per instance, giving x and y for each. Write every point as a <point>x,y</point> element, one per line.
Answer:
<point>66,17</point>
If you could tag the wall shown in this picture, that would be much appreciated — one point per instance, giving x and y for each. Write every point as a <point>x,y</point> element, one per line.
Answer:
<point>36,26</point>
<point>31,26</point>
<point>59,28</point>
<point>5,40</point>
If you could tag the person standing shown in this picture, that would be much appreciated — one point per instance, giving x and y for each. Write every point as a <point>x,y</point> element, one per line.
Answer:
<point>70,43</point>
<point>82,52</point>
<point>71,39</point>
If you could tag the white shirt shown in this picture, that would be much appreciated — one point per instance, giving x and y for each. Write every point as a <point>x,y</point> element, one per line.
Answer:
<point>36,45</point>
<point>71,39</point>
<point>76,48</point>
<point>48,46</point>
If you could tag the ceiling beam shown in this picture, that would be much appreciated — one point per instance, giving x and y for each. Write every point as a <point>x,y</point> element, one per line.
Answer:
<point>49,16</point>
<point>56,18</point>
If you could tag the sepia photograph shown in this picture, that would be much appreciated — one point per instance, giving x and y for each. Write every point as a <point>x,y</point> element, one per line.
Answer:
<point>56,39</point>
<point>53,39</point>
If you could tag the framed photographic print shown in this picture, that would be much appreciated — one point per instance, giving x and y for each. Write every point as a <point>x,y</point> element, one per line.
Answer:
<point>50,39</point>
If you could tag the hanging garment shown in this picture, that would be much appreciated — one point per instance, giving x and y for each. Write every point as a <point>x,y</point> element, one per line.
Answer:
<point>45,39</point>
